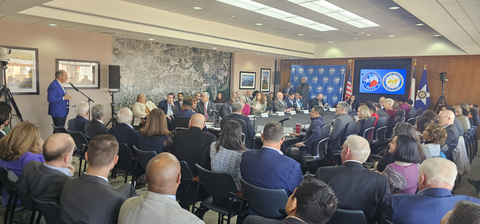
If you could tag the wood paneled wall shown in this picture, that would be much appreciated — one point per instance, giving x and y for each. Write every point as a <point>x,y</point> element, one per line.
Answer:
<point>463,74</point>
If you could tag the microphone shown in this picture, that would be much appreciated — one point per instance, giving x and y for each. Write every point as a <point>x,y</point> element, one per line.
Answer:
<point>285,119</point>
<point>75,88</point>
<point>212,111</point>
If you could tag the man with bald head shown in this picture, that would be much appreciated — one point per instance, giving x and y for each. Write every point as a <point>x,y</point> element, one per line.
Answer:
<point>159,203</point>
<point>44,181</point>
<point>446,118</point>
<point>434,199</point>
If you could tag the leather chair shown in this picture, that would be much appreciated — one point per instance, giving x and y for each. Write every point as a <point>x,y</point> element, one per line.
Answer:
<point>343,216</point>
<point>265,202</point>
<point>188,188</point>
<point>49,210</point>
<point>9,180</point>
<point>81,143</point>
<point>59,129</point>
<point>125,162</point>
<point>367,127</point>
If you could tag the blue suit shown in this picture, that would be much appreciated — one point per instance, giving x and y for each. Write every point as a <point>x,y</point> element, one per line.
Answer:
<point>425,207</point>
<point>125,134</point>
<point>188,113</point>
<point>267,168</point>
<point>77,124</point>
<point>57,106</point>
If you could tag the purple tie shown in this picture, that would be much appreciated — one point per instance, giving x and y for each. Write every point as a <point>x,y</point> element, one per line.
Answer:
<point>206,112</point>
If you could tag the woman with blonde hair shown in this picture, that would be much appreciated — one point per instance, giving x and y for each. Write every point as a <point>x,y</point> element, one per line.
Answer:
<point>142,107</point>
<point>259,104</point>
<point>155,135</point>
<point>363,113</point>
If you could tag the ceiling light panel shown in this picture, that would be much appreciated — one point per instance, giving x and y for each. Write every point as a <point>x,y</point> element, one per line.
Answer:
<point>278,14</point>
<point>333,11</point>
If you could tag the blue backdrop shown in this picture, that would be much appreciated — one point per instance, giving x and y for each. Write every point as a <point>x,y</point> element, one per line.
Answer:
<point>325,79</point>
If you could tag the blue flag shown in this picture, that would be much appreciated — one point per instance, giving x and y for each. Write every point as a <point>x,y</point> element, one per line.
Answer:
<point>423,96</point>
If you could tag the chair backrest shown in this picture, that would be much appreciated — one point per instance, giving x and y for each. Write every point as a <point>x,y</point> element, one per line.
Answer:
<point>411,114</point>
<point>125,156</point>
<point>381,122</point>
<point>325,131</point>
<point>401,113</point>
<point>186,172</point>
<point>392,125</point>
<point>7,182</point>
<point>218,106</point>
<point>349,130</point>
<point>50,210</point>
<point>368,124</point>
<point>244,127</point>
<point>343,216</point>
<point>265,202</point>
<point>217,184</point>
<point>449,152</point>
<point>144,156</point>
<point>181,122</point>
<point>80,141</point>
<point>59,129</point>
<point>419,111</point>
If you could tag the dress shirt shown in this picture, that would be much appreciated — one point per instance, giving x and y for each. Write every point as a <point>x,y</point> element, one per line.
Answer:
<point>299,105</point>
<point>106,179</point>
<point>287,90</point>
<point>65,91</point>
<point>64,170</point>
<point>280,152</point>
<point>351,160</point>
<point>100,121</point>
<point>3,132</point>
<point>171,196</point>
<point>169,109</point>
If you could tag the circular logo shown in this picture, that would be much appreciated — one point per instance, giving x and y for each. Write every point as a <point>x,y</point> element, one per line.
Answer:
<point>310,70</point>
<point>422,94</point>
<point>392,81</point>
<point>336,80</point>
<point>334,99</point>
<point>295,78</point>
<point>331,70</point>
<point>312,96</point>
<point>340,90</point>
<point>314,79</point>
<point>330,89</point>
<point>300,70</point>
<point>342,71</point>
<point>293,70</point>
<point>305,77</point>
<point>325,79</point>
<point>309,88</point>
<point>319,89</point>
<point>321,70</point>
<point>371,81</point>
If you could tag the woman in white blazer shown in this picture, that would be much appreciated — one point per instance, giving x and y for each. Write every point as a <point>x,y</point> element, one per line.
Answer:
<point>142,107</point>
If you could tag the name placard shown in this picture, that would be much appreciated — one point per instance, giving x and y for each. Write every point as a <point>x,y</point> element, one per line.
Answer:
<point>287,130</point>
<point>306,112</point>
<point>293,112</point>
<point>264,114</point>
<point>281,113</point>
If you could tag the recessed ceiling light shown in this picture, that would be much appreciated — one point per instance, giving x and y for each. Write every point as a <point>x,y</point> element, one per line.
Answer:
<point>419,24</point>
<point>394,8</point>
<point>258,24</point>
<point>367,35</point>
<point>258,53</point>
<point>214,48</point>
<point>197,8</point>
<point>301,34</point>
<point>291,58</point>
<point>151,39</point>
<point>282,30</point>
<point>52,24</point>
<point>437,35</point>
<point>355,38</point>
<point>330,42</point>
<point>391,35</point>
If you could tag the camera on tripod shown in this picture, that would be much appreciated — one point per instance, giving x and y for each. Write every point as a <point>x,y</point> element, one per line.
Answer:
<point>443,77</point>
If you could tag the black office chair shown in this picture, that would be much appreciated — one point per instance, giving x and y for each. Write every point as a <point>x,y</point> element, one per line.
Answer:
<point>350,129</point>
<point>144,156</point>
<point>401,114</point>
<point>244,131</point>
<point>125,162</point>
<point>419,111</point>
<point>82,145</point>
<point>449,152</point>
<point>265,202</point>
<point>224,199</point>
<point>367,127</point>
<point>181,123</point>
<point>187,190</point>
<point>9,180</point>
<point>49,210</point>
<point>380,129</point>
<point>411,116</point>
<point>59,129</point>
<point>343,216</point>
<point>392,125</point>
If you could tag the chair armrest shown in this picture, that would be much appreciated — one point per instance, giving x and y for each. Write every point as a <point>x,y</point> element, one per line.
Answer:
<point>368,129</point>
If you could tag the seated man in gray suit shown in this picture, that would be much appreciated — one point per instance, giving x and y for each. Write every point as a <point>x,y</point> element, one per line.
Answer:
<point>90,199</point>
<point>339,124</point>
<point>44,181</point>
<point>226,108</point>
<point>280,105</point>
<point>159,203</point>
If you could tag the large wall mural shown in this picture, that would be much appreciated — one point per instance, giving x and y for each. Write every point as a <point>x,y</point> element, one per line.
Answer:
<point>156,69</point>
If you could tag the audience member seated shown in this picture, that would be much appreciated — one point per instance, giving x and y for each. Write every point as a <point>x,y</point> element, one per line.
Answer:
<point>155,135</point>
<point>465,212</point>
<point>431,115</point>
<point>90,198</point>
<point>44,181</point>
<point>5,116</point>
<point>434,198</point>
<point>318,101</point>
<point>357,187</point>
<point>288,90</point>
<point>21,146</point>
<point>465,113</point>
<point>300,105</point>
<point>194,103</point>
<point>353,102</point>
<point>420,123</point>
<point>248,97</point>
<point>168,108</point>
<point>270,99</point>
<point>142,107</point>
<point>403,104</point>
<point>219,98</point>
<point>446,119</point>
<point>456,122</point>
<point>312,202</point>
<point>381,113</point>
<point>186,110</point>
<point>226,108</point>
<point>314,132</point>
<point>158,204</point>
<point>280,105</point>
<point>193,145</point>
<point>472,117</point>
<point>78,123</point>
<point>291,103</point>
<point>339,124</point>
<point>236,115</point>
<point>389,108</point>
<point>226,153</point>
<point>381,101</point>
<point>402,174</point>
<point>124,131</point>
<point>198,95</point>
<point>95,126</point>
<point>434,135</point>
<point>475,106</point>
<point>459,115</point>
<point>246,107</point>
<point>205,106</point>
<point>268,167</point>
<point>258,105</point>
<point>179,102</point>
<point>363,112</point>
<point>234,96</point>
<point>409,102</point>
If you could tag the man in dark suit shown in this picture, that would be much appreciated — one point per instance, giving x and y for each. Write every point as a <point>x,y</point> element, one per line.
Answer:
<point>314,132</point>
<point>186,109</point>
<point>193,145</point>
<point>205,106</point>
<point>280,105</point>
<point>90,198</point>
<point>5,116</point>
<point>318,101</point>
<point>58,99</point>
<point>168,108</point>
<point>237,115</point>
<point>381,113</point>
<point>434,198</point>
<point>268,167</point>
<point>312,202</point>
<point>357,187</point>
<point>95,126</point>
<point>303,89</point>
<point>446,119</point>
<point>78,123</point>
<point>179,102</point>
<point>456,121</point>
<point>44,181</point>
<point>288,91</point>
<point>124,131</point>
<point>291,103</point>
<point>339,124</point>
<point>248,96</point>
<point>226,108</point>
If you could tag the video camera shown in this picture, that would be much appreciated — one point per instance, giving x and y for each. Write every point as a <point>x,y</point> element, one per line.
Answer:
<point>443,77</point>
<point>4,52</point>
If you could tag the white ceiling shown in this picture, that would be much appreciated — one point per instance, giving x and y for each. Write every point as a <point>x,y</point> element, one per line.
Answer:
<point>467,15</point>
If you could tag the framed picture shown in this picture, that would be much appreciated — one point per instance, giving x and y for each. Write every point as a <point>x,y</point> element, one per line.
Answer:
<point>82,74</point>
<point>265,79</point>
<point>21,74</point>
<point>247,80</point>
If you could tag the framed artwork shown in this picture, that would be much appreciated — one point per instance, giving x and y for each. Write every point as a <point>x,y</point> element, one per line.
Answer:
<point>82,74</point>
<point>247,80</point>
<point>21,74</point>
<point>265,77</point>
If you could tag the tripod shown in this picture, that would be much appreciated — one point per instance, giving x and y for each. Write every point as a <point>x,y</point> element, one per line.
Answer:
<point>441,98</point>
<point>4,90</point>
<point>112,104</point>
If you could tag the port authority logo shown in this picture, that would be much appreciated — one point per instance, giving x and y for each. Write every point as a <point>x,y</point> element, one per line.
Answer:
<point>312,96</point>
<point>321,70</point>
<point>300,70</point>
<point>393,81</point>
<point>336,80</point>
<point>340,90</point>
<point>329,89</point>
<point>325,79</point>
<point>315,79</point>
<point>310,70</point>
<point>371,81</point>
<point>295,78</point>
<point>331,70</point>
<point>309,88</point>
<point>342,70</point>
<point>319,89</point>
<point>293,70</point>
<point>334,99</point>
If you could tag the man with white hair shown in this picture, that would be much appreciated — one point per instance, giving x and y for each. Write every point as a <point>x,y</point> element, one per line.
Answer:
<point>446,118</point>
<point>279,104</point>
<point>78,123</point>
<point>124,131</point>
<point>388,106</point>
<point>357,187</point>
<point>205,106</point>
<point>434,199</point>
<point>95,126</point>
<point>339,124</point>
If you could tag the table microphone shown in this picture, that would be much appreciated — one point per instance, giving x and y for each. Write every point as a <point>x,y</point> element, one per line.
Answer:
<point>285,119</point>
<point>75,88</point>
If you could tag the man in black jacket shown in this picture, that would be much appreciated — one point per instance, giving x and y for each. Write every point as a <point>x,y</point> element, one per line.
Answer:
<point>446,119</point>
<point>226,108</point>
<point>237,115</point>
<point>318,101</point>
<point>95,126</point>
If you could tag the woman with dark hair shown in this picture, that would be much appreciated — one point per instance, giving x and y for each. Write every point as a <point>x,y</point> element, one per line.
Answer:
<point>353,102</point>
<point>473,117</point>
<point>402,175</point>
<point>219,98</point>
<point>155,135</point>
<point>258,104</point>
<point>420,126</point>
<point>226,153</point>
<point>434,135</point>
<point>431,115</point>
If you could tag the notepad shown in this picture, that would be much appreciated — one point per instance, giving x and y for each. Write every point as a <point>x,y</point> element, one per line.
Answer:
<point>260,128</point>
<point>287,130</point>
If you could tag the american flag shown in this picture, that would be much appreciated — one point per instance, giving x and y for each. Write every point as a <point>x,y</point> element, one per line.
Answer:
<point>348,92</point>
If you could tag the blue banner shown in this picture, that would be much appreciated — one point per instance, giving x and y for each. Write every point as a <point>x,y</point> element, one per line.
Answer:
<point>325,79</point>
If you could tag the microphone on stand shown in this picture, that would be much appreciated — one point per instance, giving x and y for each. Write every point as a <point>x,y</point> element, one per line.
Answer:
<point>75,88</point>
<point>285,119</point>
